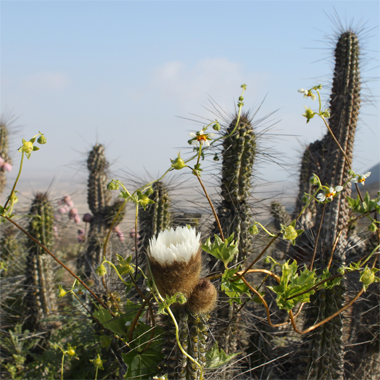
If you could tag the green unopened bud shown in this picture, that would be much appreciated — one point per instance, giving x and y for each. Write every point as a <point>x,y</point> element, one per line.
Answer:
<point>62,292</point>
<point>305,198</point>
<point>241,98</point>
<point>372,227</point>
<point>178,163</point>
<point>216,157</point>
<point>216,126</point>
<point>113,185</point>
<point>326,113</point>
<point>42,140</point>
<point>101,270</point>
<point>368,277</point>
<point>290,233</point>
<point>149,191</point>
<point>97,362</point>
<point>70,350</point>
<point>309,114</point>
<point>253,230</point>
<point>27,147</point>
<point>267,260</point>
<point>314,180</point>
<point>351,173</point>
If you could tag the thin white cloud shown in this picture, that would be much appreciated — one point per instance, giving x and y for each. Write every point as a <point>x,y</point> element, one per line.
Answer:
<point>50,80</point>
<point>187,85</point>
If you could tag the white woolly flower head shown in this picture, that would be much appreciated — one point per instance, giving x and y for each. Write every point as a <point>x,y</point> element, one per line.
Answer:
<point>174,245</point>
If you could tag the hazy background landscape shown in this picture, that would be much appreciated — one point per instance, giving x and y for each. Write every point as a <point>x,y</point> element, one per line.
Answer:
<point>129,75</point>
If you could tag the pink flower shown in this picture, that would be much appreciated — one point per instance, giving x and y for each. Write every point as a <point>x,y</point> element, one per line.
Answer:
<point>63,210</point>
<point>57,217</point>
<point>120,235</point>
<point>72,213</point>
<point>66,198</point>
<point>77,219</point>
<point>1,161</point>
<point>69,204</point>
<point>87,218</point>
<point>81,236</point>
<point>117,229</point>
<point>7,167</point>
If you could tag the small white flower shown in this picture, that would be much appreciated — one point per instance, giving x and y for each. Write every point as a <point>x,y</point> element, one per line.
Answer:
<point>128,323</point>
<point>174,245</point>
<point>321,197</point>
<point>361,178</point>
<point>307,93</point>
<point>200,137</point>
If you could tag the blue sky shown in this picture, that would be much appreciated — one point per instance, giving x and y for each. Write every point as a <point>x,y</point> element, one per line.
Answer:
<point>120,73</point>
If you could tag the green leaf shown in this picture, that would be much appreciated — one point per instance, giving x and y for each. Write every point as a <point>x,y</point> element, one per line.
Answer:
<point>115,324</point>
<point>143,364</point>
<point>125,266</point>
<point>224,251</point>
<point>215,358</point>
<point>233,289</point>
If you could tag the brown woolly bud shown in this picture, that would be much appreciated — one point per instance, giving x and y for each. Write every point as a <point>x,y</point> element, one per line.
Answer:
<point>203,297</point>
<point>178,276</point>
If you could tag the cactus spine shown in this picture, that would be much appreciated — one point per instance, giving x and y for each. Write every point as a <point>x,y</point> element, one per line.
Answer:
<point>156,217</point>
<point>3,154</point>
<point>98,199</point>
<point>326,345</point>
<point>39,276</point>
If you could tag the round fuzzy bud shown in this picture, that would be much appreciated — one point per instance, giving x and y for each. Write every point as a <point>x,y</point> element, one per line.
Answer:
<point>87,218</point>
<point>27,147</point>
<point>203,297</point>
<point>72,213</point>
<point>216,126</point>
<point>77,219</point>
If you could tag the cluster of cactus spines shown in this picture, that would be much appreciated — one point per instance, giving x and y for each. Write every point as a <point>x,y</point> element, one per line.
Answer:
<point>193,334</point>
<point>98,199</point>
<point>41,298</point>
<point>186,218</point>
<point>157,216</point>
<point>326,344</point>
<point>4,158</point>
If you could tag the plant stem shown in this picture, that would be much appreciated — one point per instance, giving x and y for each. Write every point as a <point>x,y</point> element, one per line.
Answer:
<point>17,178</point>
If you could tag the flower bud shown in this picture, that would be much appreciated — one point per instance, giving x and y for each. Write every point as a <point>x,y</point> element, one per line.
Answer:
<point>87,218</point>
<point>305,198</point>
<point>62,292</point>
<point>203,297</point>
<point>216,126</point>
<point>101,270</point>
<point>253,230</point>
<point>113,185</point>
<point>216,157</point>
<point>27,147</point>
<point>372,227</point>
<point>290,233</point>
<point>70,350</point>
<point>314,180</point>
<point>42,140</point>
<point>368,277</point>
<point>178,163</point>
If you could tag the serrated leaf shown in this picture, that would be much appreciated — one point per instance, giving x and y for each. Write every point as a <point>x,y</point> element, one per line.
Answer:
<point>216,358</point>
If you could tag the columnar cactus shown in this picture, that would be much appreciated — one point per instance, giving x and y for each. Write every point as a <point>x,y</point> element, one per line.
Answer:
<point>193,334</point>
<point>156,217</point>
<point>41,297</point>
<point>98,199</point>
<point>238,154</point>
<point>5,161</point>
<point>325,359</point>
